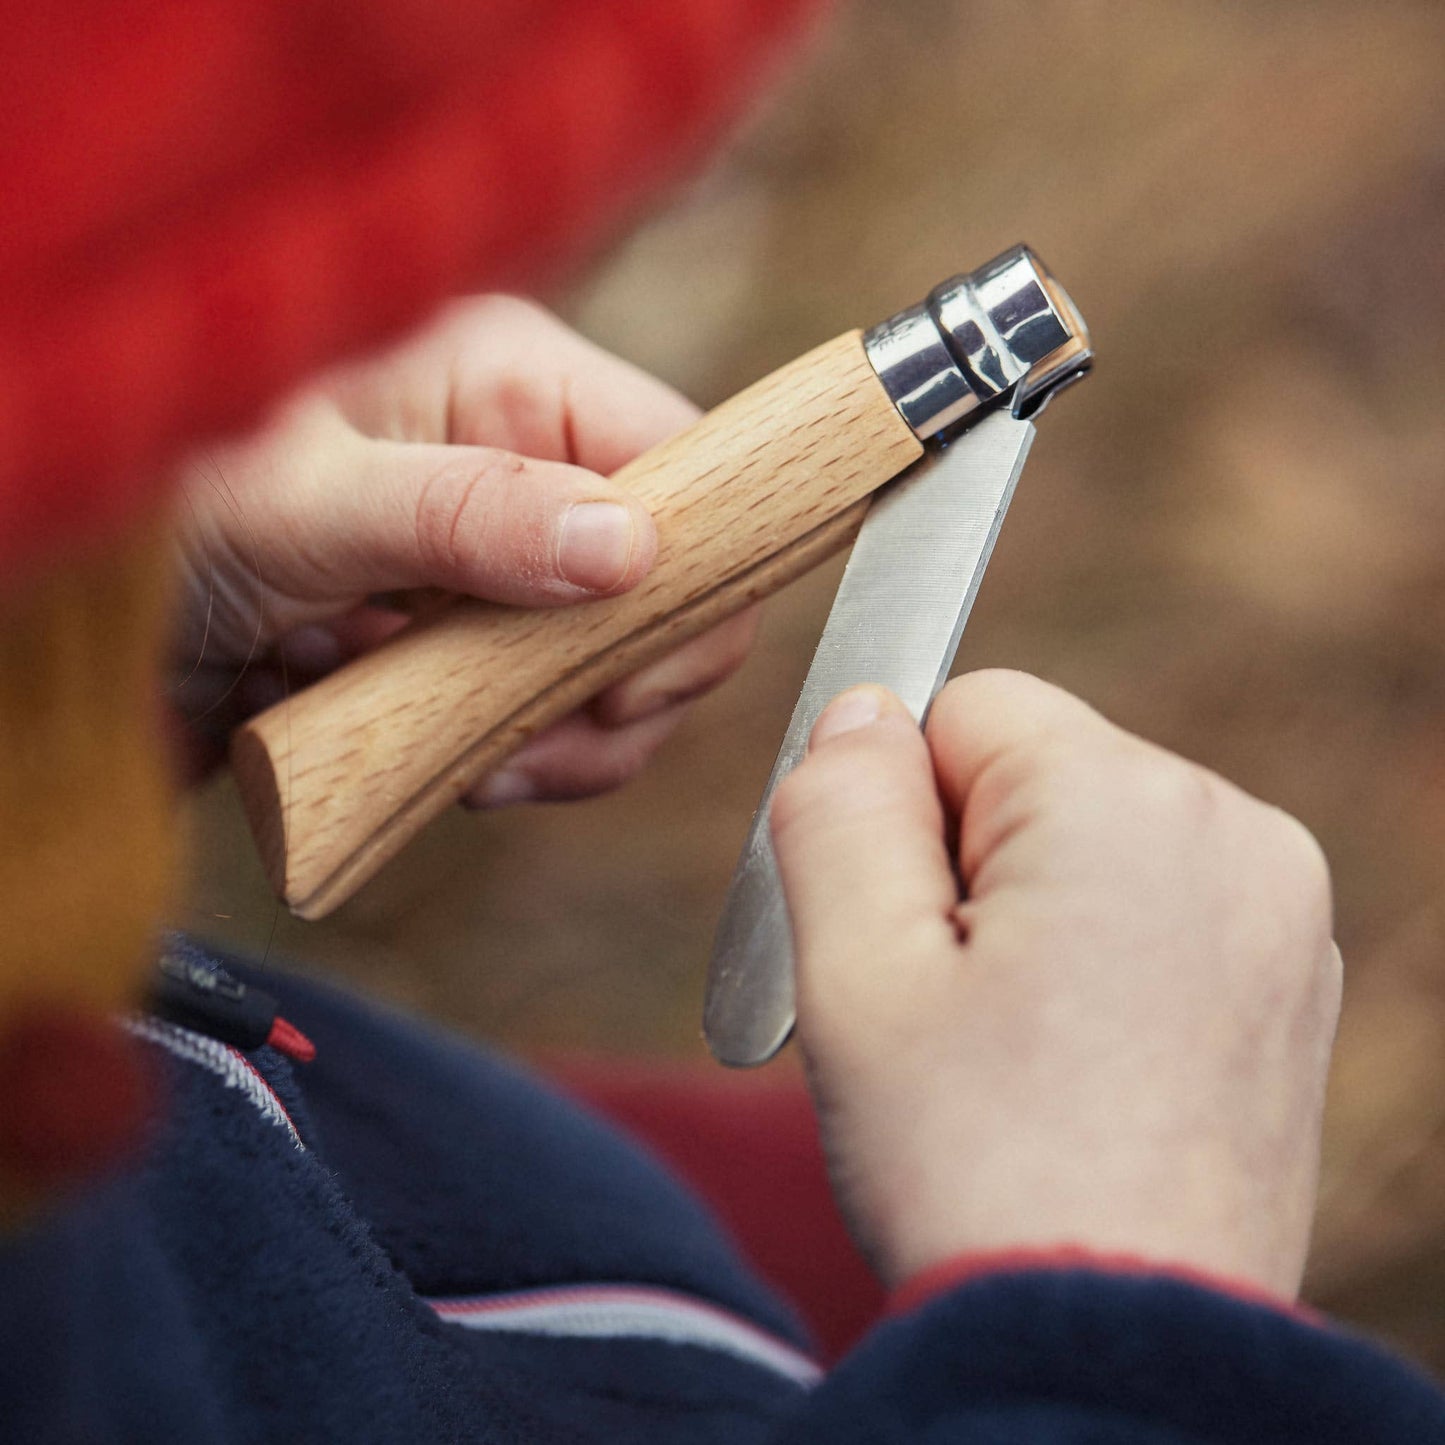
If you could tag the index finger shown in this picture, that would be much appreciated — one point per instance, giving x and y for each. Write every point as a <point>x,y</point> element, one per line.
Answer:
<point>499,371</point>
<point>990,733</point>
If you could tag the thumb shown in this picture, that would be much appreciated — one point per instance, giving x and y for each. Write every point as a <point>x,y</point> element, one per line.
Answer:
<point>479,521</point>
<point>858,831</point>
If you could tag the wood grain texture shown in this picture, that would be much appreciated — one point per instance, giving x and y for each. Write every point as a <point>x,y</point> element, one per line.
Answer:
<point>765,486</point>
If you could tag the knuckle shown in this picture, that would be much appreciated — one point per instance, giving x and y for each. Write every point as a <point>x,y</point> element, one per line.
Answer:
<point>1055,766</point>
<point>1167,790</point>
<point>730,647</point>
<point>793,798</point>
<point>612,770</point>
<point>597,764</point>
<point>601,778</point>
<point>307,418</point>
<point>987,689</point>
<point>1292,906</point>
<point>456,516</point>
<point>1232,823</point>
<point>840,787</point>
<point>499,309</point>
<point>1008,693</point>
<point>1306,854</point>
<point>1055,758</point>
<point>803,791</point>
<point>1015,778</point>
<point>446,516</point>
<point>727,666</point>
<point>1332,977</point>
<point>1303,868</point>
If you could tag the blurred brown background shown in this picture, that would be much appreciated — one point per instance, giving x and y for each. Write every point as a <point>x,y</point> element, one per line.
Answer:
<point>1229,539</point>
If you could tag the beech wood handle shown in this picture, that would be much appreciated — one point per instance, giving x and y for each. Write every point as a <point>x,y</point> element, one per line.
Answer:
<point>336,779</point>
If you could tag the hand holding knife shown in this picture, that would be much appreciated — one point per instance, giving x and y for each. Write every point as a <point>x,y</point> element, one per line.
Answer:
<point>771,482</point>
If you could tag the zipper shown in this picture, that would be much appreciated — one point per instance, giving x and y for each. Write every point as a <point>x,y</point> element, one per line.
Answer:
<point>198,994</point>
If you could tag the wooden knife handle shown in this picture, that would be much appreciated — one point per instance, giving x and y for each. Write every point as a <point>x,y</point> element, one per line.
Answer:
<point>338,778</point>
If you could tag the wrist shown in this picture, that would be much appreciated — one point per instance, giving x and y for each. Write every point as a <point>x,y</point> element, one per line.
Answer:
<point>1190,1205</point>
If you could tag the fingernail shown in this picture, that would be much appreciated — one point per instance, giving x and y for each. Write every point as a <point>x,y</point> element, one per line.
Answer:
<point>595,545</point>
<point>503,789</point>
<point>853,709</point>
<point>669,687</point>
<point>642,705</point>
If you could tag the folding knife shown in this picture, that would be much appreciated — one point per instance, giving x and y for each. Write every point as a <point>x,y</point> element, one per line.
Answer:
<point>339,777</point>
<point>967,369</point>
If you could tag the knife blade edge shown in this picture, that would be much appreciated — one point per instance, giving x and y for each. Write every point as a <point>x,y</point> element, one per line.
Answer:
<point>897,620</point>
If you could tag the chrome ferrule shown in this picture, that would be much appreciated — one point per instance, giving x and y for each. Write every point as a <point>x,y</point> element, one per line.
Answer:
<point>1007,331</point>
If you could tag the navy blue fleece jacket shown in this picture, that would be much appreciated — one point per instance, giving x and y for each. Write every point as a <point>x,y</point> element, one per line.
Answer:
<point>409,1241</point>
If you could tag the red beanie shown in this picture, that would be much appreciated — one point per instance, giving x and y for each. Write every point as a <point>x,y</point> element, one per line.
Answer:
<point>207,198</point>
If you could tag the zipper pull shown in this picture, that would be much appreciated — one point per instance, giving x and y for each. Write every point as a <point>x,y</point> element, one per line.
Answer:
<point>198,994</point>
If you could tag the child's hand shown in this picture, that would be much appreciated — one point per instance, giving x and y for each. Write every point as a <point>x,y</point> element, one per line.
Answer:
<point>1119,1041</point>
<point>471,460</point>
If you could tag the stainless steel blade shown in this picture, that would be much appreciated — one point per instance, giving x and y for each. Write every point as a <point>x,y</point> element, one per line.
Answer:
<point>897,620</point>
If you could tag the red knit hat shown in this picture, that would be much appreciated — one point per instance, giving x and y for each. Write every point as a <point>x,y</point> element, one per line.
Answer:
<point>207,198</point>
